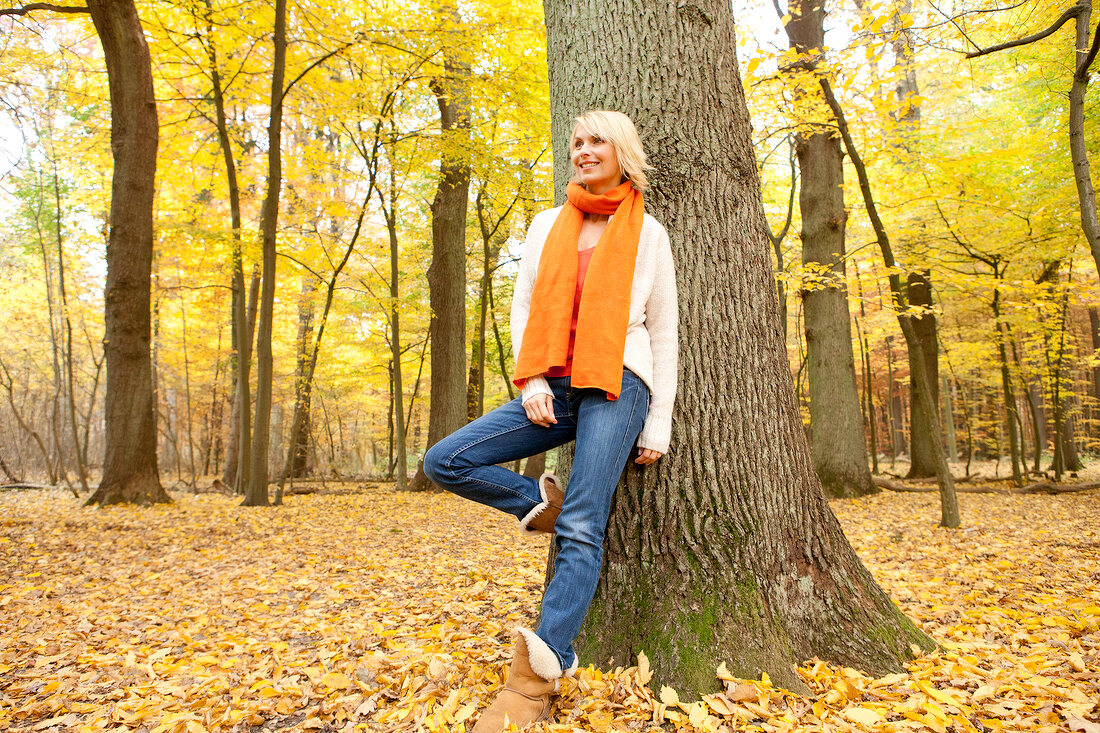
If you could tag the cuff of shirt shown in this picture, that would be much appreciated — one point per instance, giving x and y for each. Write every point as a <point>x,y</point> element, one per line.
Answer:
<point>535,386</point>
<point>656,434</point>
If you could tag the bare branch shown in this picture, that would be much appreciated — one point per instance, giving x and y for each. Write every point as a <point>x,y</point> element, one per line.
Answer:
<point>1082,72</point>
<point>44,6</point>
<point>1062,19</point>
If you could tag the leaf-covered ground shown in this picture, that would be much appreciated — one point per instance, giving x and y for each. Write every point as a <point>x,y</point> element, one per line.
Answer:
<point>371,610</point>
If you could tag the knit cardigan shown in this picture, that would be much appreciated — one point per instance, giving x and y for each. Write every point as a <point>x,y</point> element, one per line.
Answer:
<point>651,340</point>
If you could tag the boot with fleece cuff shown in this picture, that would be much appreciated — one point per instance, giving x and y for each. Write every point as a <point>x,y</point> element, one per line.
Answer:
<point>525,697</point>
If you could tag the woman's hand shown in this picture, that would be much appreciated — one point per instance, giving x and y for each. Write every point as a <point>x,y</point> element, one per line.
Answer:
<point>647,456</point>
<point>540,410</point>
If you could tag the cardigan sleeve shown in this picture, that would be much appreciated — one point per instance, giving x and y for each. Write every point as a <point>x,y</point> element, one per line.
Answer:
<point>661,320</point>
<point>521,301</point>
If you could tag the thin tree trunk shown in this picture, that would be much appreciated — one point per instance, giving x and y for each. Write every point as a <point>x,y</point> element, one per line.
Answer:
<point>1012,415</point>
<point>130,460</point>
<point>1094,332</point>
<point>299,425</point>
<point>70,388</point>
<point>256,494</point>
<point>238,448</point>
<point>1078,147</point>
<point>725,549</point>
<point>1033,408</point>
<point>298,451</point>
<point>187,393</point>
<point>949,504</point>
<point>949,420</point>
<point>397,397</point>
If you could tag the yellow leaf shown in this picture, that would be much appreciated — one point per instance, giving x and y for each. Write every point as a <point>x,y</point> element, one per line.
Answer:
<point>669,696</point>
<point>863,716</point>
<point>465,712</point>
<point>336,681</point>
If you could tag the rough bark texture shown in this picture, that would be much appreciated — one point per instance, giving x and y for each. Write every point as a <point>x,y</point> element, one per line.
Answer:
<point>725,550</point>
<point>300,434</point>
<point>447,273</point>
<point>130,460</point>
<point>922,441</point>
<point>838,449</point>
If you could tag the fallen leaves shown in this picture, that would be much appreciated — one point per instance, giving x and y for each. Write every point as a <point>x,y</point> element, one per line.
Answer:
<point>379,611</point>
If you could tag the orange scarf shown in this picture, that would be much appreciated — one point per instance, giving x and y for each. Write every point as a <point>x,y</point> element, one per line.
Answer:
<point>605,301</point>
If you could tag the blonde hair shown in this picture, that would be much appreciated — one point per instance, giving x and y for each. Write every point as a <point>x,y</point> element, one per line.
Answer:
<point>619,130</point>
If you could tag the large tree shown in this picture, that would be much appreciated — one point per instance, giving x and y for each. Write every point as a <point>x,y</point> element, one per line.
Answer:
<point>725,550</point>
<point>447,273</point>
<point>838,448</point>
<point>130,457</point>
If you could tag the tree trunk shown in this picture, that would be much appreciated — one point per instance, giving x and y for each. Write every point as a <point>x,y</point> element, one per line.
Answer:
<point>256,494</point>
<point>838,448</point>
<point>922,442</point>
<point>299,439</point>
<point>238,448</point>
<point>897,432</point>
<point>397,388</point>
<point>725,550</point>
<point>949,504</point>
<point>949,420</point>
<point>1094,331</point>
<point>130,457</point>
<point>447,273</point>
<point>1078,147</point>
<point>1012,414</point>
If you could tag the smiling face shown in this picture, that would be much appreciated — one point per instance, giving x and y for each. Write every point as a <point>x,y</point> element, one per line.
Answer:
<point>595,162</point>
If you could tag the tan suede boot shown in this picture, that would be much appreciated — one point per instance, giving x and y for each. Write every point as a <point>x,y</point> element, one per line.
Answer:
<point>543,517</point>
<point>525,697</point>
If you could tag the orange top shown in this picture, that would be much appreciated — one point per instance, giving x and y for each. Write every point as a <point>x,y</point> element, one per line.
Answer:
<point>603,311</point>
<point>584,256</point>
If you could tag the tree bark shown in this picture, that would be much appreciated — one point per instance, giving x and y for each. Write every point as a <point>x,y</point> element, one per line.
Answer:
<point>922,442</point>
<point>725,550</point>
<point>300,433</point>
<point>1078,147</point>
<point>1094,332</point>
<point>256,493</point>
<point>838,448</point>
<point>130,460</point>
<point>447,272</point>
<point>1013,426</point>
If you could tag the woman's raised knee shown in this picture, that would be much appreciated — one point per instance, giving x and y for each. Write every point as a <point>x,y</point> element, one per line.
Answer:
<point>436,465</point>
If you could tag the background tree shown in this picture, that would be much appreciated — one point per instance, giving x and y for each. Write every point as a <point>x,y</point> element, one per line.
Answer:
<point>837,445</point>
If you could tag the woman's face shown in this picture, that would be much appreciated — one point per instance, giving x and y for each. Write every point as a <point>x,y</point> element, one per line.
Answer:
<point>595,162</point>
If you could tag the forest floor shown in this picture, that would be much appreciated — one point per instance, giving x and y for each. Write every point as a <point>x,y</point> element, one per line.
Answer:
<point>358,608</point>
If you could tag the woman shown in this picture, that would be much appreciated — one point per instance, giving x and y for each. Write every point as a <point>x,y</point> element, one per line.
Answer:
<point>594,337</point>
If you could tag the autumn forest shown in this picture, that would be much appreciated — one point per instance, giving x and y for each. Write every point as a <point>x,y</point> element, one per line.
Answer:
<point>264,253</point>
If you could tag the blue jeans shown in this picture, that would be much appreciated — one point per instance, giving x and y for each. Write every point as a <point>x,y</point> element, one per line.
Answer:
<point>605,430</point>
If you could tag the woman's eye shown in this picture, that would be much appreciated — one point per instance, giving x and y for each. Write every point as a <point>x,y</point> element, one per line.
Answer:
<point>597,140</point>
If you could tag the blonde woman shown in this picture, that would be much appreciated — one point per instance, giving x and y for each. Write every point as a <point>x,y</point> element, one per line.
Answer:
<point>594,321</point>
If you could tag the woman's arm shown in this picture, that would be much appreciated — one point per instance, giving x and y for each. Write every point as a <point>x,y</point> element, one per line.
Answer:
<point>521,303</point>
<point>661,320</point>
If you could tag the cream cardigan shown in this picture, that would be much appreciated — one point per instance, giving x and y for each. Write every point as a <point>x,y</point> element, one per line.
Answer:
<point>651,341</point>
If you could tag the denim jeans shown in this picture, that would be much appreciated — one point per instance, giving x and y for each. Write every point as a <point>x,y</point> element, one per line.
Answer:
<point>605,430</point>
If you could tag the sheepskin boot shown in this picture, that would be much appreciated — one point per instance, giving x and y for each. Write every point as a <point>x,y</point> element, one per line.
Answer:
<point>525,697</point>
<point>543,517</point>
